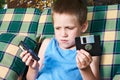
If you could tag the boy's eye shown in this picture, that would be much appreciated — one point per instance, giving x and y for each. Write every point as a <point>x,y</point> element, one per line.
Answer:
<point>57,28</point>
<point>70,28</point>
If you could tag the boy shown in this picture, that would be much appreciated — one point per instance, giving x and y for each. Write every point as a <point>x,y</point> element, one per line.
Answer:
<point>59,59</point>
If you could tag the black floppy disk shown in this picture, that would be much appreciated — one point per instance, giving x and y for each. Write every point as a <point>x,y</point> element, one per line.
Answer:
<point>90,43</point>
<point>24,47</point>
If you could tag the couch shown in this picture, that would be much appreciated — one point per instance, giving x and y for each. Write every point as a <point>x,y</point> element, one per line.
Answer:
<point>28,24</point>
<point>16,25</point>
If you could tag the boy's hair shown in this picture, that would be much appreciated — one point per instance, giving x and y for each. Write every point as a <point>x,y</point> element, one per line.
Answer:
<point>74,7</point>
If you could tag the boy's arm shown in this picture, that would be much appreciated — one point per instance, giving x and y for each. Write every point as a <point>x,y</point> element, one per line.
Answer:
<point>32,73</point>
<point>92,71</point>
<point>34,69</point>
<point>95,67</point>
<point>88,65</point>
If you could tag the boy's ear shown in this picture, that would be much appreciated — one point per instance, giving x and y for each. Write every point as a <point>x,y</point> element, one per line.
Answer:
<point>84,27</point>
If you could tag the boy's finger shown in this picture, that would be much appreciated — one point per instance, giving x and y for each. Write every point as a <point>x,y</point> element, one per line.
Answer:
<point>23,54</point>
<point>25,57</point>
<point>82,56</point>
<point>77,61</point>
<point>28,60</point>
<point>34,64</point>
<point>86,54</point>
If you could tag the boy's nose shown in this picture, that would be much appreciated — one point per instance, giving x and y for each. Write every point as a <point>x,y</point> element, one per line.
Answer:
<point>64,33</point>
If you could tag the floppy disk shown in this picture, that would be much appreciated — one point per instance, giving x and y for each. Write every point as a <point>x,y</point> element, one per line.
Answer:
<point>90,43</point>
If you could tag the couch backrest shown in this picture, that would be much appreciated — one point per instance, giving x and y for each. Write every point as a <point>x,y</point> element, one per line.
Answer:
<point>103,21</point>
<point>18,24</point>
<point>23,21</point>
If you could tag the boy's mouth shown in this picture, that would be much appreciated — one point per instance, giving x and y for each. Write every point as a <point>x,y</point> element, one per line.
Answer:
<point>64,41</point>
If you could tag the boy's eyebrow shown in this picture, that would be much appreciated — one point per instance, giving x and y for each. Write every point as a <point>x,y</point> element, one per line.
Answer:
<point>65,26</point>
<point>69,26</point>
<point>56,26</point>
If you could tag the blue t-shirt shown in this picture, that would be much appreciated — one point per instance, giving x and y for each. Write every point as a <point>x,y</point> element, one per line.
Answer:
<point>59,64</point>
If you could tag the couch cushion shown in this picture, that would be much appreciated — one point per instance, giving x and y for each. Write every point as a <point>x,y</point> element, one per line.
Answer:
<point>45,22</point>
<point>11,65</point>
<point>103,21</point>
<point>22,21</point>
<point>15,25</point>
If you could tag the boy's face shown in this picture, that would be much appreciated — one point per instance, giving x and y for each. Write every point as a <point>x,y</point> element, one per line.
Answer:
<point>66,28</point>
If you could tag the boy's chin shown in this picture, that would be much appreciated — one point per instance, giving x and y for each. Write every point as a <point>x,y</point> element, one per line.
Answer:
<point>67,46</point>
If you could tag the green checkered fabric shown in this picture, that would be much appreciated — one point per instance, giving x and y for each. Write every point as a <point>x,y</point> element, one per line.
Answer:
<point>103,21</point>
<point>11,65</point>
<point>15,25</point>
<point>23,21</point>
<point>45,23</point>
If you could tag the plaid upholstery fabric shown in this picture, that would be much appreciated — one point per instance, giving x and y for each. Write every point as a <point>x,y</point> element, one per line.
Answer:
<point>45,23</point>
<point>23,21</point>
<point>103,21</point>
<point>11,65</point>
<point>15,25</point>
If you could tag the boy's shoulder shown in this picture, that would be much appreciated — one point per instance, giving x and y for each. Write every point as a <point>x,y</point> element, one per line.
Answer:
<point>47,40</point>
<point>43,47</point>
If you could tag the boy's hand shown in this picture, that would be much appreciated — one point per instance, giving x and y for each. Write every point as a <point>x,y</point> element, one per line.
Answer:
<point>29,61</point>
<point>83,59</point>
